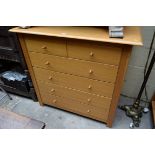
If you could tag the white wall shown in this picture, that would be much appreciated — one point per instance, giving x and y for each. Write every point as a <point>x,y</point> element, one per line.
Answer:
<point>135,72</point>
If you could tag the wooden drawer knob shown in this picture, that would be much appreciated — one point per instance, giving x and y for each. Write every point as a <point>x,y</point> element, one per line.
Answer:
<point>88,111</point>
<point>89,87</point>
<point>52,90</point>
<point>47,63</point>
<point>44,47</point>
<point>89,100</point>
<point>50,78</point>
<point>91,54</point>
<point>54,101</point>
<point>90,71</point>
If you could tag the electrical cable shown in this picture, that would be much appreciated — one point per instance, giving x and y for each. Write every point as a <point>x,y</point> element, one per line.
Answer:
<point>145,69</point>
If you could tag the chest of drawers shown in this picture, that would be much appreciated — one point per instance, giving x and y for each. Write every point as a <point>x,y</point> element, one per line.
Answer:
<point>76,68</point>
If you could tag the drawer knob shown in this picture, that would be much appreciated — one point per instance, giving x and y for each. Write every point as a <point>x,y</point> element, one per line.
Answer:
<point>88,111</point>
<point>54,101</point>
<point>91,54</point>
<point>44,47</point>
<point>89,87</point>
<point>52,90</point>
<point>47,63</point>
<point>50,78</point>
<point>89,100</point>
<point>90,71</point>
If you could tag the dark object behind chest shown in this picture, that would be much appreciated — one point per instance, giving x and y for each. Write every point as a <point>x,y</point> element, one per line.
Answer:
<point>12,59</point>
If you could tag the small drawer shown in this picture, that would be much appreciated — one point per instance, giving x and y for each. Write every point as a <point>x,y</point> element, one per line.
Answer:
<point>98,52</point>
<point>75,82</point>
<point>44,44</point>
<point>77,67</point>
<point>87,98</point>
<point>75,106</point>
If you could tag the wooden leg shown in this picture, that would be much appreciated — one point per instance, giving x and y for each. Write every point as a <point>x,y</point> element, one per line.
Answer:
<point>118,84</point>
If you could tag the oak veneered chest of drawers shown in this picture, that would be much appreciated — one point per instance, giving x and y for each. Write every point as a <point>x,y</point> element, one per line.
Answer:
<point>78,69</point>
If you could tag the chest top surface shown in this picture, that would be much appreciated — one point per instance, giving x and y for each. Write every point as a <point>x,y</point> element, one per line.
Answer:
<point>132,35</point>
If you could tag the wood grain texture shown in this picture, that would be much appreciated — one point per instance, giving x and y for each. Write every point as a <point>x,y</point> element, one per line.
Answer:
<point>91,99</point>
<point>29,65</point>
<point>153,98</point>
<point>75,82</point>
<point>102,73</point>
<point>44,44</point>
<point>119,82</point>
<point>76,106</point>
<point>94,51</point>
<point>153,110</point>
<point>82,68</point>
<point>132,34</point>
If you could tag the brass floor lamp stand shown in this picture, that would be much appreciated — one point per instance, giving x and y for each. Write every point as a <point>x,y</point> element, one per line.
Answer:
<point>135,111</point>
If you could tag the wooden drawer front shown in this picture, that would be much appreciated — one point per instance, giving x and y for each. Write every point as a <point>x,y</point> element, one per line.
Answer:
<point>48,45</point>
<point>91,99</point>
<point>92,70</point>
<point>75,106</point>
<point>94,52</point>
<point>75,82</point>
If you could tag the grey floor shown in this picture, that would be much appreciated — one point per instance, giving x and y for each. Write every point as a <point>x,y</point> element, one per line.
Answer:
<point>59,119</point>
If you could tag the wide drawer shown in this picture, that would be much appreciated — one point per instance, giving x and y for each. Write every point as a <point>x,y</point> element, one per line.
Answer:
<point>91,99</point>
<point>75,82</point>
<point>98,52</point>
<point>44,44</point>
<point>77,107</point>
<point>83,68</point>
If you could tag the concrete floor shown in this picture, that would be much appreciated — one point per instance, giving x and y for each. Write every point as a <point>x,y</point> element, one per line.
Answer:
<point>59,119</point>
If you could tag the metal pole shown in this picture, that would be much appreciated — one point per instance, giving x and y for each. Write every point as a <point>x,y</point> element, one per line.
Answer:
<point>146,77</point>
<point>135,110</point>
